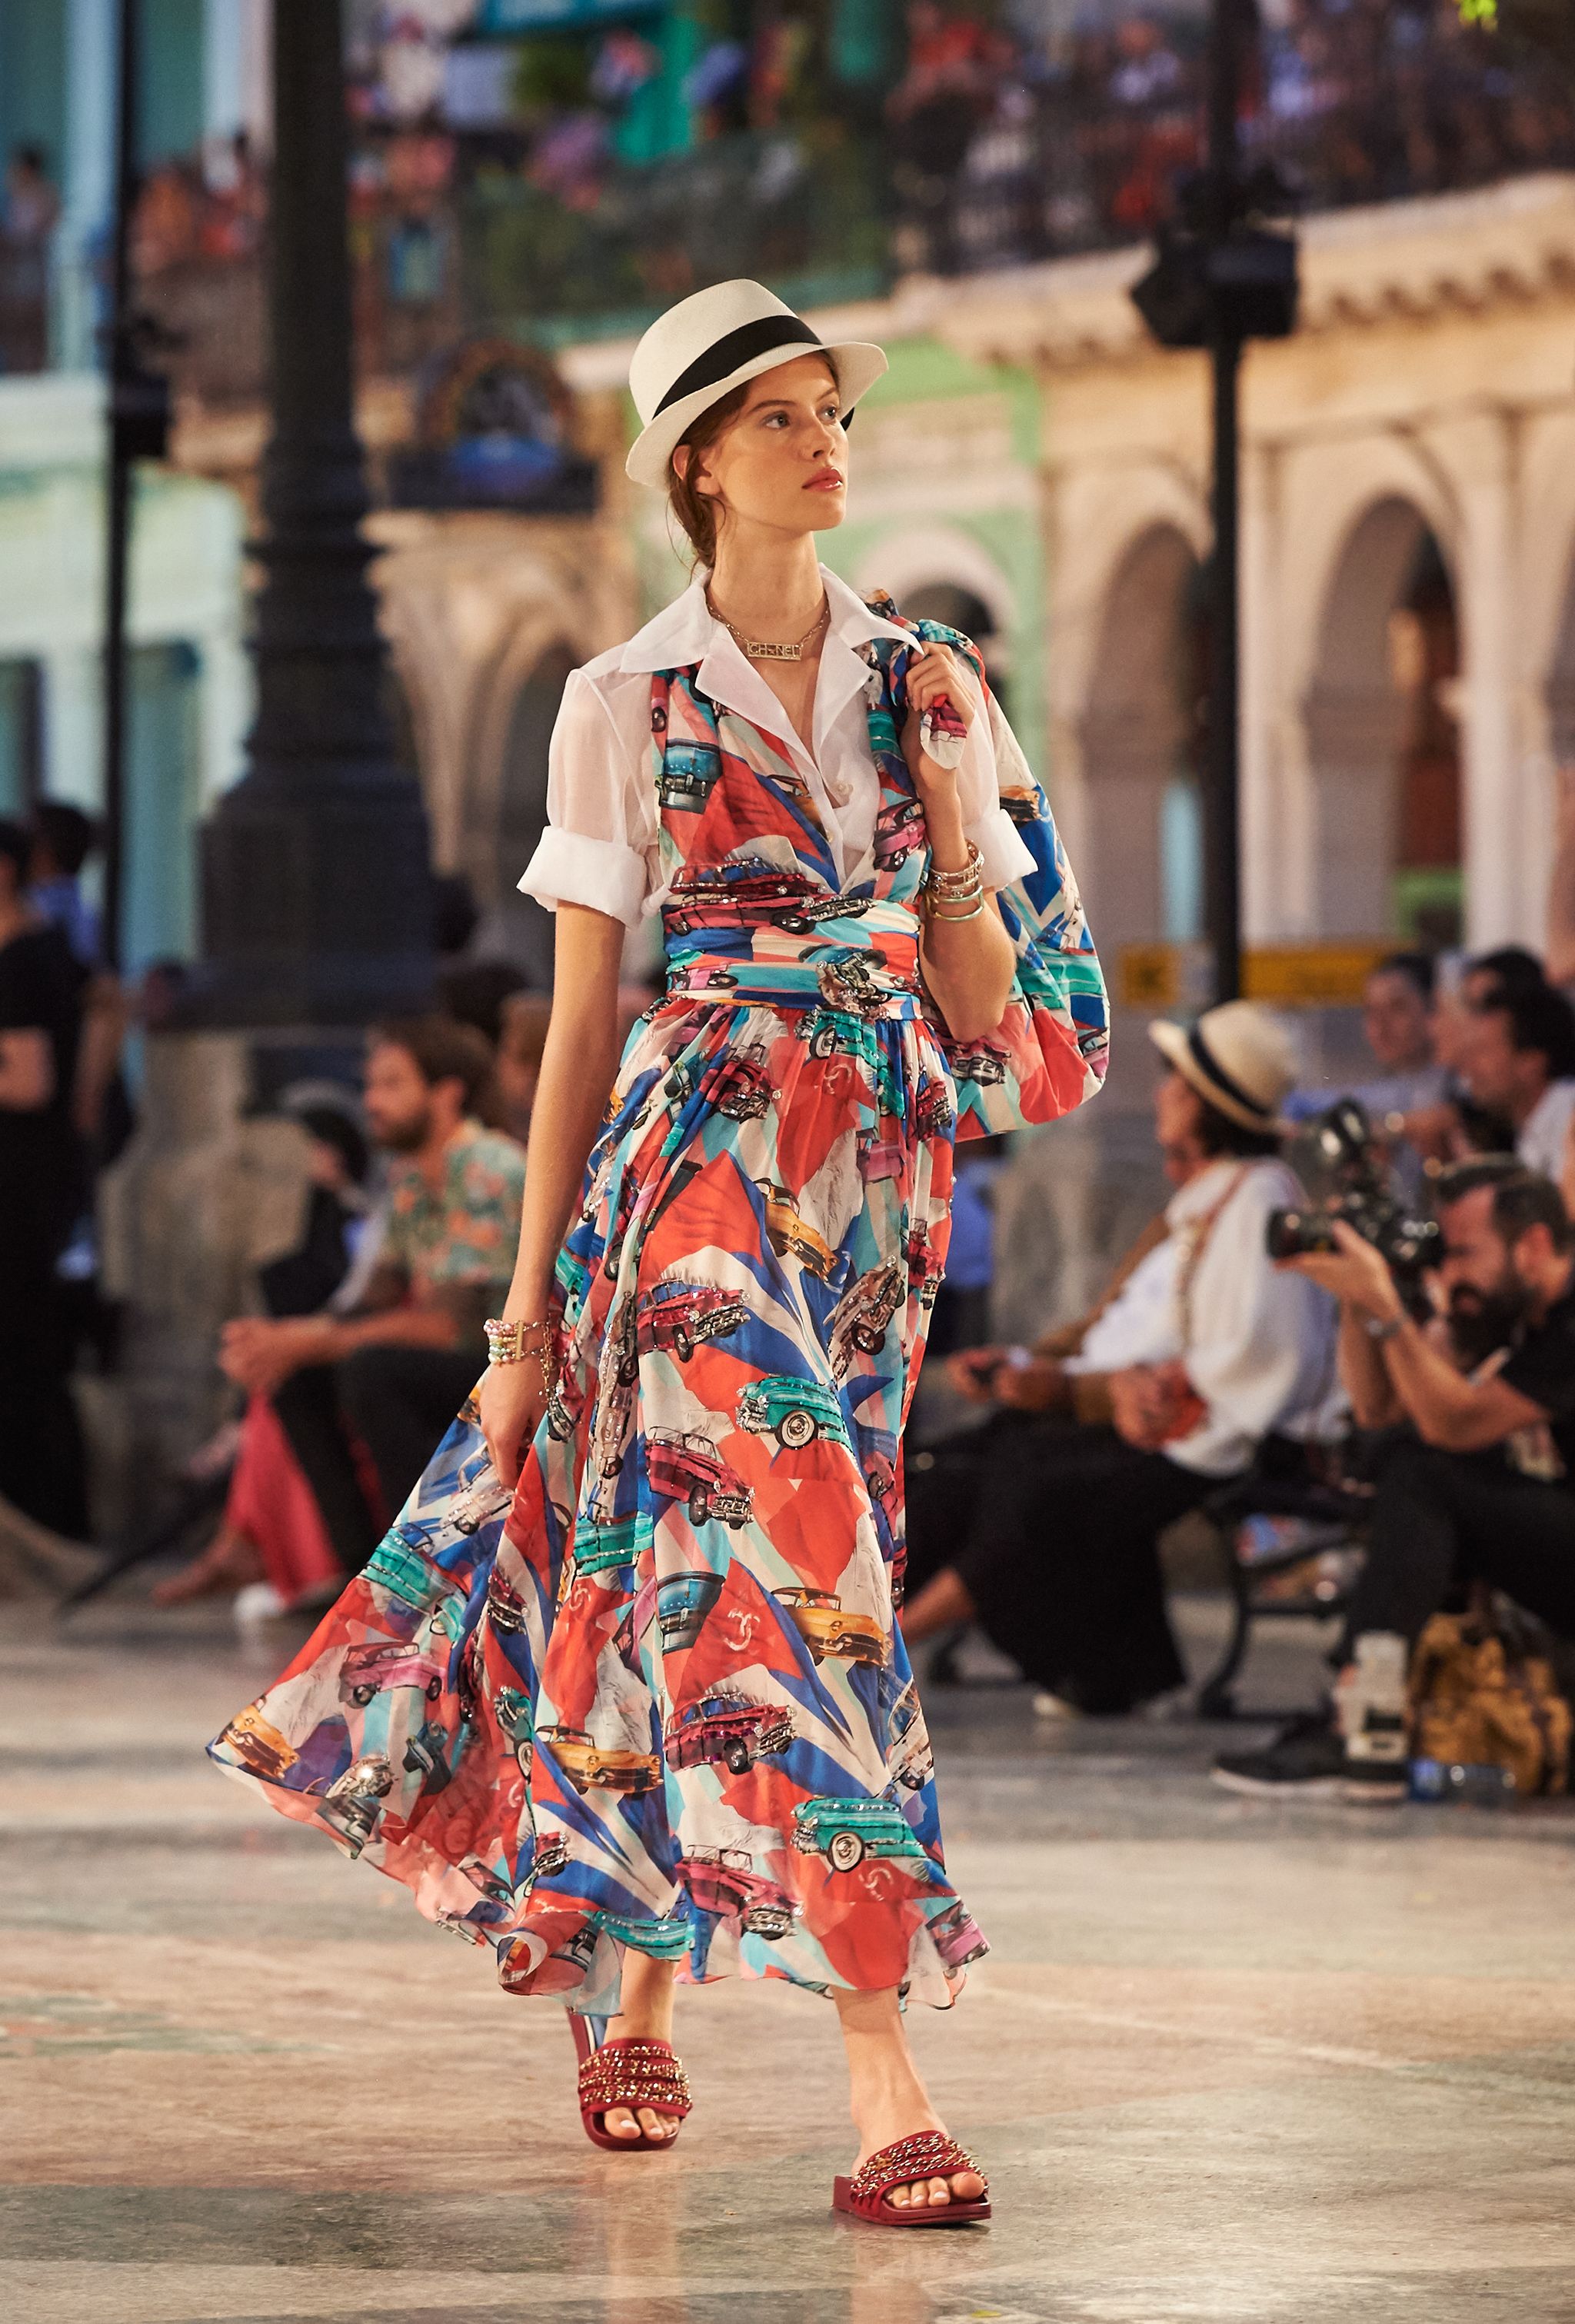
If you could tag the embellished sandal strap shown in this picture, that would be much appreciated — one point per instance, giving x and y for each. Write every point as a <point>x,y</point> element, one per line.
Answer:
<point>928,2154</point>
<point>634,2073</point>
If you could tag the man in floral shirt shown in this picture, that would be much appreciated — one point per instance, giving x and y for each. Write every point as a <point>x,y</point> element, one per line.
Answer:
<point>395,1370</point>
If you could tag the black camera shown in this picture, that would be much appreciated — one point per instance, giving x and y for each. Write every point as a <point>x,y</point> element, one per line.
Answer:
<point>1350,1163</point>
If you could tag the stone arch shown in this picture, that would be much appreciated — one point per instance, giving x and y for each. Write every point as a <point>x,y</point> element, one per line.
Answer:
<point>1383,749</point>
<point>1138,733</point>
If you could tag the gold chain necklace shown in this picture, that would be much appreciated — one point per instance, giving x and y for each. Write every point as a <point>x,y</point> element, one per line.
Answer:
<point>761,649</point>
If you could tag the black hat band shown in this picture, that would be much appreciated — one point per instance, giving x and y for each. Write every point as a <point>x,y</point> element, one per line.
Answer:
<point>725,355</point>
<point>1206,1062</point>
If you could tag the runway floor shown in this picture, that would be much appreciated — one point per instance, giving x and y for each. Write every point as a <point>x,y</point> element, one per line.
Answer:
<point>1227,2061</point>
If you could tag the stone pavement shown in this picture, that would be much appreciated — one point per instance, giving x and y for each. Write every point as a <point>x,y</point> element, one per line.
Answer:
<point>1227,2061</point>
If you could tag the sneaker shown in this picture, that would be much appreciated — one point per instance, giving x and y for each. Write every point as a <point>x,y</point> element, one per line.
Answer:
<point>1306,1761</point>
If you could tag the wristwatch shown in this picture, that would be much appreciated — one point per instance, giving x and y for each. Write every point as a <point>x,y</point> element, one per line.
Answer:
<point>1379,1328</point>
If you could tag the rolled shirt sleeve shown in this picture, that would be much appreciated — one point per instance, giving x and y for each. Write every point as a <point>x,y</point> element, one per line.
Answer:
<point>600,844</point>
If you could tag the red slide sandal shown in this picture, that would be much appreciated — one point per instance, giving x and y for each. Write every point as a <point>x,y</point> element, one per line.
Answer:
<point>627,2073</point>
<point>928,2154</point>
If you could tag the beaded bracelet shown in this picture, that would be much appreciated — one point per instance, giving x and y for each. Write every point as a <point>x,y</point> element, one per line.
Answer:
<point>506,1344</point>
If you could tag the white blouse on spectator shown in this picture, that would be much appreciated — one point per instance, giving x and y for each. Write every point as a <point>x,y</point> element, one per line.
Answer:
<point>600,848</point>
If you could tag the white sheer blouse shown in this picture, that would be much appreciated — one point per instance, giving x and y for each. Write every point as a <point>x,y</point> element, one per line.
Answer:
<point>600,847</point>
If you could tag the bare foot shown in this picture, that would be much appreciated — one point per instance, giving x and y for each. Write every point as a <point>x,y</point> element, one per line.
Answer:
<point>647,2015</point>
<point>889,2101</point>
<point>226,1566</point>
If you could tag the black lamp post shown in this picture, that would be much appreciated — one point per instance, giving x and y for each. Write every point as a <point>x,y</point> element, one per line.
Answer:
<point>1220,279</point>
<point>139,429</point>
<point>316,891</point>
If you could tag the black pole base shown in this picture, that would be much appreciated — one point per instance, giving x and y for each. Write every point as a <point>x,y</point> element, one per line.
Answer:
<point>326,909</point>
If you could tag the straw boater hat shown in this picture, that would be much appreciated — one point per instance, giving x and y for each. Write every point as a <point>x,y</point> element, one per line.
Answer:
<point>705,345</point>
<point>1237,1058</point>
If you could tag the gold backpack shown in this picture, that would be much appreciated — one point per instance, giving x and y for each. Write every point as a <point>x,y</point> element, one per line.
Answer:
<point>1480,1697</point>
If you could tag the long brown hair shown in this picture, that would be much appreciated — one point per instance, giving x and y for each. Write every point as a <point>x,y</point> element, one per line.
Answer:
<point>699,513</point>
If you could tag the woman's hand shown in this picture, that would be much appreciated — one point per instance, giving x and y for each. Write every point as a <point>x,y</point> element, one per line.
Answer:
<point>935,672</point>
<point>510,1404</point>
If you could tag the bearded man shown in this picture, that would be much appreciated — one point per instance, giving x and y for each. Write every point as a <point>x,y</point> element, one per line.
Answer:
<point>394,1372</point>
<point>1481,1484</point>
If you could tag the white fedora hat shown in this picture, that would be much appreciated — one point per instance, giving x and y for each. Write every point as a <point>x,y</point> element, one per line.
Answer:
<point>705,345</point>
<point>1237,1058</point>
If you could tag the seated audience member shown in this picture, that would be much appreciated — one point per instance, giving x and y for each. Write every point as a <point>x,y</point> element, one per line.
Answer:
<point>1203,1350</point>
<point>1481,1485</point>
<point>1398,1026</point>
<point>1518,1061</point>
<point>63,838</point>
<point>272,1545</point>
<point>477,992</point>
<point>393,1374</point>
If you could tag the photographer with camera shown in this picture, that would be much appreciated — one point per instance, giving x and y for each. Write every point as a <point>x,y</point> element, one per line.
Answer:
<point>1042,1525</point>
<point>1479,1483</point>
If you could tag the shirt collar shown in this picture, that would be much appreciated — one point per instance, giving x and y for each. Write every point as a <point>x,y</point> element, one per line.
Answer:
<point>685,632</point>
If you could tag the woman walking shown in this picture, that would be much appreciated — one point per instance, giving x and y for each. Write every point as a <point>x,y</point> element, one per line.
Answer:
<point>622,1693</point>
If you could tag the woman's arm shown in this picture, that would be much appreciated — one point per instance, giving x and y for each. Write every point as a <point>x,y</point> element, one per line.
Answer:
<point>578,1067</point>
<point>968,959</point>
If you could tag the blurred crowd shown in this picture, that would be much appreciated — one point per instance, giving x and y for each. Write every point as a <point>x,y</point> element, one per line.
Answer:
<point>607,169</point>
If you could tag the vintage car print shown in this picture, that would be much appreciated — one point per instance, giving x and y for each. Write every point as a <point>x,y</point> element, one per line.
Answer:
<point>662,1940</point>
<point>795,1411</point>
<point>957,1936</point>
<point>425,1756</point>
<point>828,1035</point>
<point>689,770</point>
<point>259,1746</point>
<point>601,1549</point>
<point>678,1316</point>
<point>552,1855</point>
<point>791,1238</point>
<point>399,1563</point>
<point>925,1268</point>
<point>849,982</point>
<point>722,1880</point>
<point>482,1500</point>
<point>808,909</point>
<point>900,829</point>
<point>912,1761</point>
<point>618,1226</point>
<point>369,1670</point>
<point>505,1607</point>
<point>742,1086</point>
<point>589,1768</point>
<point>933,1110</point>
<point>725,1728</point>
<point>511,1709</point>
<point>861,1318</point>
<point>683,1603</point>
<point>845,1831</point>
<point>687,1467</point>
<point>977,1063</point>
<point>826,1628</point>
<point>352,1802</point>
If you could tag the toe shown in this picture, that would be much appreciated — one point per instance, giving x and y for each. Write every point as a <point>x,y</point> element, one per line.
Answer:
<point>967,2186</point>
<point>940,2192</point>
<point>898,2198</point>
<point>655,2125</point>
<point>619,2123</point>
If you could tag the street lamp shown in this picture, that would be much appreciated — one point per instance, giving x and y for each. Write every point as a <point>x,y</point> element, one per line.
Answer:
<point>1221,277</point>
<point>317,889</point>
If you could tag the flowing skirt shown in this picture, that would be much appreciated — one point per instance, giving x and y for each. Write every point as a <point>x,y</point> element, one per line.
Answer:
<point>657,1697</point>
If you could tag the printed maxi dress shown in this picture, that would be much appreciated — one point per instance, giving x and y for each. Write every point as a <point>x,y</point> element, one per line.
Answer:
<point>656,1695</point>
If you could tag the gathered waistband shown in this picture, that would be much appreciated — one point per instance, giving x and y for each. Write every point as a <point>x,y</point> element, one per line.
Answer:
<point>812,951</point>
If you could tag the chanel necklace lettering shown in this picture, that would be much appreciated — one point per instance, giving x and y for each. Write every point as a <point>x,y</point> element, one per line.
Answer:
<point>762,648</point>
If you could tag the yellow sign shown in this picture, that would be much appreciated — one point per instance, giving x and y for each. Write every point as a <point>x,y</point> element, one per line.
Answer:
<point>1164,976</point>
